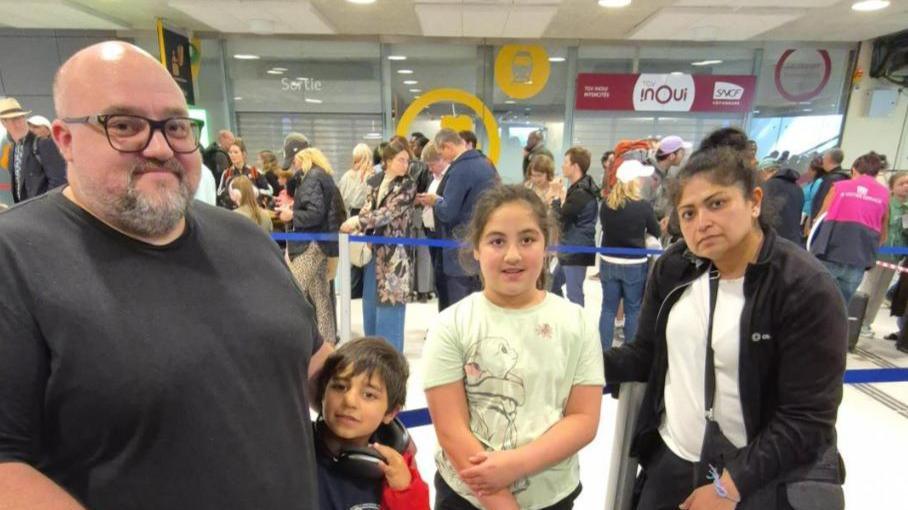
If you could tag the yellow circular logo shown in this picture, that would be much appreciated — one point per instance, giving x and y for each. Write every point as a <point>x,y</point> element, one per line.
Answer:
<point>521,71</point>
<point>460,97</point>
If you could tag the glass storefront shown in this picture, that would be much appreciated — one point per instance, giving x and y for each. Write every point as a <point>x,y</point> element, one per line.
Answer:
<point>340,93</point>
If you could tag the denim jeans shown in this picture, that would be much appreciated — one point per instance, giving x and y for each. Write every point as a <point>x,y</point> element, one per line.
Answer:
<point>847,277</point>
<point>619,281</point>
<point>381,320</point>
<point>573,276</point>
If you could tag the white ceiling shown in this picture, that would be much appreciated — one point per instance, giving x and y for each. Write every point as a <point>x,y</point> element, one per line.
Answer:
<point>719,20</point>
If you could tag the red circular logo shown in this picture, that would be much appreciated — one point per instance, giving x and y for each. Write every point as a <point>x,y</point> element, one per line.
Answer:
<point>805,96</point>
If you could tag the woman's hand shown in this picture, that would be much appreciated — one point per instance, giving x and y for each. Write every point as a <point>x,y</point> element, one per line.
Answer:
<point>396,471</point>
<point>555,191</point>
<point>706,498</point>
<point>492,472</point>
<point>285,214</point>
<point>350,226</point>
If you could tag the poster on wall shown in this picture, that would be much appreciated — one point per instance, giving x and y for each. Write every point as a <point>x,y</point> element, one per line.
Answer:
<point>665,92</point>
<point>175,55</point>
<point>802,80</point>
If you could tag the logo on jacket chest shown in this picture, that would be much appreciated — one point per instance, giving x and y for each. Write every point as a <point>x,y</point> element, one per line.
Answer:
<point>759,337</point>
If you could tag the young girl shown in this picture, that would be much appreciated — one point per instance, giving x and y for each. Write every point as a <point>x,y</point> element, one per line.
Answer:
<point>513,375</point>
<point>243,196</point>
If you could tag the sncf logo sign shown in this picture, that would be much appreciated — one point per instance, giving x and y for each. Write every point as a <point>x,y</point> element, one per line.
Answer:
<point>725,91</point>
<point>664,92</point>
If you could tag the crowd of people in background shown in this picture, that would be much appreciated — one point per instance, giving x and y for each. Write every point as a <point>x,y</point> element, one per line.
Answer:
<point>629,209</point>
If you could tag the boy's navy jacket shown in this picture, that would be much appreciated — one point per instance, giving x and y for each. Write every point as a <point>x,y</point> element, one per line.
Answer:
<point>338,491</point>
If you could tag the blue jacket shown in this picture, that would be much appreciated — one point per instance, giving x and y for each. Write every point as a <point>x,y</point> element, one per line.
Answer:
<point>467,177</point>
<point>578,221</point>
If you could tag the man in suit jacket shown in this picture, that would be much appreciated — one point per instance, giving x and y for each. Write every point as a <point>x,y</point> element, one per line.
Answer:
<point>468,176</point>
<point>35,164</point>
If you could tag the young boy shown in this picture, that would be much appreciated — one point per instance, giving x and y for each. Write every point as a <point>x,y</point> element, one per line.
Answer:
<point>362,387</point>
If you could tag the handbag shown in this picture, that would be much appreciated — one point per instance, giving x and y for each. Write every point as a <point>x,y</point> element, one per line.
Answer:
<point>360,254</point>
<point>814,486</point>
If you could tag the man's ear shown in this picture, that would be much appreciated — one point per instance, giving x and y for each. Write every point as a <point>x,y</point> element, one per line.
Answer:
<point>390,415</point>
<point>63,138</point>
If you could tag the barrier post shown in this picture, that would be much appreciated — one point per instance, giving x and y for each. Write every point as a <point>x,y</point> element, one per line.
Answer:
<point>622,471</point>
<point>342,289</point>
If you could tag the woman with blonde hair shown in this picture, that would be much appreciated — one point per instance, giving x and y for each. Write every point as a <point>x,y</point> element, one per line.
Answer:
<point>242,193</point>
<point>317,208</point>
<point>353,186</point>
<point>626,219</point>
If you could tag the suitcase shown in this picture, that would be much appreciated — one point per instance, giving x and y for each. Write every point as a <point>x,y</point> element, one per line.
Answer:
<point>857,307</point>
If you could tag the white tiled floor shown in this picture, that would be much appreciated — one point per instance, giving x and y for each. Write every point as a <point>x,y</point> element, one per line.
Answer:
<point>873,437</point>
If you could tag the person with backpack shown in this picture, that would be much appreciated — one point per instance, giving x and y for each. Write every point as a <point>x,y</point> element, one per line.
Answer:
<point>215,156</point>
<point>35,163</point>
<point>576,212</point>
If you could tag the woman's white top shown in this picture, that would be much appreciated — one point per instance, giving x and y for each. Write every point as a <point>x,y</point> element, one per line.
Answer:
<point>684,421</point>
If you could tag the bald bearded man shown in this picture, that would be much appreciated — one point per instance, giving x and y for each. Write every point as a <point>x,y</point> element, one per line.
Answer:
<point>154,351</point>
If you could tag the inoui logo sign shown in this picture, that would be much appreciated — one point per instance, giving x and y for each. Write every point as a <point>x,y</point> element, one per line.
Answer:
<point>724,91</point>
<point>664,92</point>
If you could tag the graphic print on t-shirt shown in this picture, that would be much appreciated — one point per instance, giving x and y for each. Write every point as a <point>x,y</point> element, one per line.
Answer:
<point>494,393</point>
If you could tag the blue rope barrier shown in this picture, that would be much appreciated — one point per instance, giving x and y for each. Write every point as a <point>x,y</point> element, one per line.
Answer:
<point>420,417</point>
<point>448,243</point>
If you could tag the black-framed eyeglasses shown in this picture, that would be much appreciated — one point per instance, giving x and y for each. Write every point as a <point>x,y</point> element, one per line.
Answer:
<point>132,133</point>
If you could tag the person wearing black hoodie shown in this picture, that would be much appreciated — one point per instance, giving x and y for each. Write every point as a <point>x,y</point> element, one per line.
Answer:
<point>576,210</point>
<point>784,199</point>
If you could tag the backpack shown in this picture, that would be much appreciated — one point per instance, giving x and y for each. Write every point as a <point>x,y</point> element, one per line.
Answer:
<point>643,150</point>
<point>209,157</point>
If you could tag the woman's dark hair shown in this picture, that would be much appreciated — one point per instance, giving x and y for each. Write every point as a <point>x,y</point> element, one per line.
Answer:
<point>494,198</point>
<point>724,166</point>
<point>730,137</point>
<point>605,156</point>
<point>376,156</point>
<point>868,164</point>
<point>391,151</point>
<point>368,355</point>
<point>403,143</point>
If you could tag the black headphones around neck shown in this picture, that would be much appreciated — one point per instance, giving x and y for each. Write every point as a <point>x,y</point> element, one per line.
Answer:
<point>362,462</point>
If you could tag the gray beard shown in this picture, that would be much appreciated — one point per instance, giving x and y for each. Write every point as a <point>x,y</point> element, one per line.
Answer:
<point>137,214</point>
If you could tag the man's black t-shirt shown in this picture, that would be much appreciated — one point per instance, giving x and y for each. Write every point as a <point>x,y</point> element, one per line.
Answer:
<point>144,377</point>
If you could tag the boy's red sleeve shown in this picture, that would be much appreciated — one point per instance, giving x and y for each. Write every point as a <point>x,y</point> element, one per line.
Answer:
<point>414,497</point>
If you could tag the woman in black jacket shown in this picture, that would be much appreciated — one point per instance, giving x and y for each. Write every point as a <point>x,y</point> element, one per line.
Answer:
<point>734,317</point>
<point>317,208</point>
<point>239,166</point>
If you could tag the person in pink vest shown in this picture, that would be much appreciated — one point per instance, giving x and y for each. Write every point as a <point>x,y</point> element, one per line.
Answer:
<point>857,215</point>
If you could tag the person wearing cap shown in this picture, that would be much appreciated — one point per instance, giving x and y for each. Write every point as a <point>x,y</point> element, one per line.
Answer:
<point>293,143</point>
<point>783,197</point>
<point>39,125</point>
<point>654,188</point>
<point>626,220</point>
<point>35,163</point>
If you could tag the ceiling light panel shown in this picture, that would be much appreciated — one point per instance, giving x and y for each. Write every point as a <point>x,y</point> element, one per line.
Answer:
<point>702,24</point>
<point>55,14</point>
<point>809,4</point>
<point>233,16</point>
<point>485,18</point>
